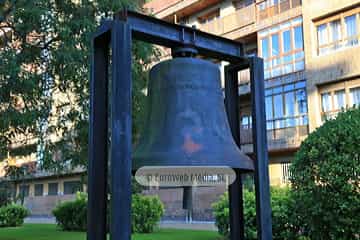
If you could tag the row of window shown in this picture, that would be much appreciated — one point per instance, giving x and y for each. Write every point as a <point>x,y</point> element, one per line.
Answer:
<point>272,3</point>
<point>340,31</point>
<point>270,8</point>
<point>282,48</point>
<point>334,101</point>
<point>286,106</point>
<point>70,187</point>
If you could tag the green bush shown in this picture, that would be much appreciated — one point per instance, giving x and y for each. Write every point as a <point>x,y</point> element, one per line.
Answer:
<point>282,217</point>
<point>222,213</point>
<point>12,215</point>
<point>146,212</point>
<point>72,215</point>
<point>326,182</point>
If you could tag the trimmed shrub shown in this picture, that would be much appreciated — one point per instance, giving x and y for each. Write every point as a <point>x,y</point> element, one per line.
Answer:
<point>326,182</point>
<point>72,215</point>
<point>146,212</point>
<point>12,215</point>
<point>282,216</point>
<point>222,214</point>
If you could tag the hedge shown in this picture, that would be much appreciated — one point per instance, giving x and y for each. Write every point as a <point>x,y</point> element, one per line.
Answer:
<point>146,213</point>
<point>12,215</point>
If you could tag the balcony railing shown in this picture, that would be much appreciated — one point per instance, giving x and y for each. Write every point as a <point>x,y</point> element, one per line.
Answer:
<point>280,7</point>
<point>247,15</point>
<point>241,18</point>
<point>278,138</point>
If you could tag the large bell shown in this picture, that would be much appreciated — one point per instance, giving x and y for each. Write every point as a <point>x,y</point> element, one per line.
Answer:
<point>186,123</point>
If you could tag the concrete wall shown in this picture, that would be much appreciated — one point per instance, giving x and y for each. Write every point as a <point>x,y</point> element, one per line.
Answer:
<point>203,198</point>
<point>43,205</point>
<point>332,67</point>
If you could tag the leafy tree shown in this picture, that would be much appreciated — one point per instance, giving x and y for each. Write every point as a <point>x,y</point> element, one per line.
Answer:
<point>282,215</point>
<point>326,182</point>
<point>44,76</point>
<point>5,193</point>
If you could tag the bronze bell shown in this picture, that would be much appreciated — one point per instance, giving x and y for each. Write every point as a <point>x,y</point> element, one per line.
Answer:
<point>186,123</point>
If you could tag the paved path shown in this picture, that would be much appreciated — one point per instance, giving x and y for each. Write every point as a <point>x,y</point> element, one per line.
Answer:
<point>40,219</point>
<point>194,225</point>
<point>164,224</point>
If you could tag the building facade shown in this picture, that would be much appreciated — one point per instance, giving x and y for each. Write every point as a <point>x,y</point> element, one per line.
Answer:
<point>310,51</point>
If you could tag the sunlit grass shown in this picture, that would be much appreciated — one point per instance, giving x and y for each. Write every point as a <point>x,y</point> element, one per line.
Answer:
<point>51,232</point>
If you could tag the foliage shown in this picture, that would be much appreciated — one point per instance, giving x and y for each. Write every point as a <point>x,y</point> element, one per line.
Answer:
<point>282,217</point>
<point>5,193</point>
<point>222,214</point>
<point>146,212</point>
<point>12,215</point>
<point>72,215</point>
<point>135,186</point>
<point>45,54</point>
<point>325,179</point>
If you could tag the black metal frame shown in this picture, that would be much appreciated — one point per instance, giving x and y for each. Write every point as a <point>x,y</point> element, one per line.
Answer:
<point>119,33</point>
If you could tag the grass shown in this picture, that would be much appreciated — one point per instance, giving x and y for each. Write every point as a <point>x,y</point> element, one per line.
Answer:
<point>51,232</point>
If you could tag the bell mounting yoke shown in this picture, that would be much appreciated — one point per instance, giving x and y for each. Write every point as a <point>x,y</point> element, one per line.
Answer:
<point>184,51</point>
<point>118,34</point>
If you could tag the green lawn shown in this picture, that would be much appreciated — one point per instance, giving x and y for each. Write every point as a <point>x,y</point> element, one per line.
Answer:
<point>51,232</point>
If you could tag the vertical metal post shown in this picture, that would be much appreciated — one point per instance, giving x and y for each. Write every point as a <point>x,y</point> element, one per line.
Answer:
<point>120,222</point>
<point>237,229</point>
<point>262,187</point>
<point>97,168</point>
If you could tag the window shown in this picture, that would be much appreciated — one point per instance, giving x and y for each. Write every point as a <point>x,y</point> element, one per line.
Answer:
<point>278,101</point>
<point>72,187</point>
<point>301,101</point>
<point>53,189</point>
<point>339,99</point>
<point>242,3</point>
<point>287,41</point>
<point>39,189</point>
<point>354,96</point>
<point>275,45</point>
<point>351,30</point>
<point>290,108</point>
<point>286,106</point>
<point>298,35</point>
<point>322,38</point>
<point>326,102</point>
<point>272,2</point>
<point>265,48</point>
<point>282,48</point>
<point>24,190</point>
<point>338,32</point>
<point>285,167</point>
<point>262,6</point>
<point>335,33</point>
